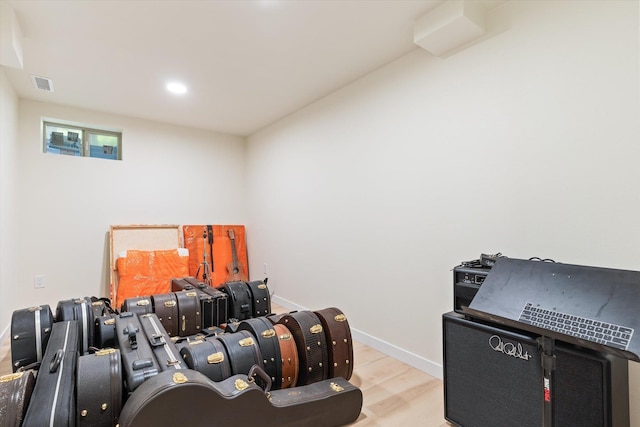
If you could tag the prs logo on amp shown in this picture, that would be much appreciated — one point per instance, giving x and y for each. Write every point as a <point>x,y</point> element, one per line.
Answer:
<point>508,348</point>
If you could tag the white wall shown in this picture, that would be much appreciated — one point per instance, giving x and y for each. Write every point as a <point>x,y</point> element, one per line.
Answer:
<point>8,193</point>
<point>168,175</point>
<point>526,143</point>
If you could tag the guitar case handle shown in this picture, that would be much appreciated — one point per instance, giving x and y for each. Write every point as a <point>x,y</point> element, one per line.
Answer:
<point>257,370</point>
<point>56,360</point>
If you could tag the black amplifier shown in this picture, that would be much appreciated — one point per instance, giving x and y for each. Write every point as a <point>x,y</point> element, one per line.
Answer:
<point>466,282</point>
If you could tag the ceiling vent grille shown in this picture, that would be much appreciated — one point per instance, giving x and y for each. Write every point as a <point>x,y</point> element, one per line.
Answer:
<point>42,83</point>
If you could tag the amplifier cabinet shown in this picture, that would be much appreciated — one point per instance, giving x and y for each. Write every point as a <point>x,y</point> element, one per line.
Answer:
<point>493,378</point>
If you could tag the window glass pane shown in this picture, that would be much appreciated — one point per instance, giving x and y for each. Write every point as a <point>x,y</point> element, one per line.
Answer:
<point>63,140</point>
<point>103,146</point>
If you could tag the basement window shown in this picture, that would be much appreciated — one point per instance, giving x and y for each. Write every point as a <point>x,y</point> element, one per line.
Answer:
<point>81,141</point>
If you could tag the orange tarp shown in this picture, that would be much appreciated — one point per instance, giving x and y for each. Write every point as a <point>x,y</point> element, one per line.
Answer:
<point>144,273</point>
<point>222,265</point>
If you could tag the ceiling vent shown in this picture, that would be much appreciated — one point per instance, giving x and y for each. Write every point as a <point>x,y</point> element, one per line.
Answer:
<point>42,83</point>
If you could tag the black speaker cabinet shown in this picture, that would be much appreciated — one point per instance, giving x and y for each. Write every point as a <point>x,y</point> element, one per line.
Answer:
<point>493,378</point>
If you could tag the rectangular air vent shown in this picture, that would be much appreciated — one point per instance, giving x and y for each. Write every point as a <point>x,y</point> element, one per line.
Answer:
<point>42,83</point>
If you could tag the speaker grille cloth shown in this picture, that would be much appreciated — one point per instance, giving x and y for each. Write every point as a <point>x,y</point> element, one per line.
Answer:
<point>485,387</point>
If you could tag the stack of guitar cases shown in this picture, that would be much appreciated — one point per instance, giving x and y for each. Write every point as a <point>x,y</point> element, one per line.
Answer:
<point>221,352</point>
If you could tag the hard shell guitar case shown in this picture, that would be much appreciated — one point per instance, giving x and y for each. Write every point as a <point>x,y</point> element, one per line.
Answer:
<point>338,335</point>
<point>239,300</point>
<point>220,314</point>
<point>138,305</point>
<point>15,394</point>
<point>165,306</point>
<point>289,354</point>
<point>99,387</point>
<point>243,351</point>
<point>167,399</point>
<point>260,298</point>
<point>138,359</point>
<point>263,331</point>
<point>30,331</point>
<point>78,309</point>
<point>189,314</point>
<point>307,331</point>
<point>208,357</point>
<point>164,349</point>
<point>54,390</point>
<point>104,334</point>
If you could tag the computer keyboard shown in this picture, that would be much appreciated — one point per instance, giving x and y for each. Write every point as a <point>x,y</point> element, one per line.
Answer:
<point>608,334</point>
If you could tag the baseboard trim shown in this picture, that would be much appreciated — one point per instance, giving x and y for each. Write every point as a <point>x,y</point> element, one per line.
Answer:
<point>405,356</point>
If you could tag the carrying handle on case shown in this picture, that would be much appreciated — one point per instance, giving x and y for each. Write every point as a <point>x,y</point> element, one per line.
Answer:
<point>130,331</point>
<point>56,360</point>
<point>257,370</point>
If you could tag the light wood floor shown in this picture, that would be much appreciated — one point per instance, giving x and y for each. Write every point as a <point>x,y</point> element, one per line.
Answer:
<point>395,394</point>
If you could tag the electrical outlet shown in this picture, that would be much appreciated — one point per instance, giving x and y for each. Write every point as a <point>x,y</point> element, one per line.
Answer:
<point>38,281</point>
<point>264,270</point>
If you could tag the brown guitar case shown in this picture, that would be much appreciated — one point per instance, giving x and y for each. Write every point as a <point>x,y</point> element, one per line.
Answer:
<point>15,393</point>
<point>212,301</point>
<point>289,354</point>
<point>189,315</point>
<point>171,398</point>
<point>99,388</point>
<point>338,334</point>
<point>165,306</point>
<point>308,333</point>
<point>221,249</point>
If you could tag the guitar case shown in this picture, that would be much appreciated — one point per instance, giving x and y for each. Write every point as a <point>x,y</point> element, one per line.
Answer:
<point>30,331</point>
<point>138,305</point>
<point>189,314</point>
<point>263,331</point>
<point>260,298</point>
<point>338,335</point>
<point>243,351</point>
<point>289,356</point>
<point>239,300</point>
<point>308,333</point>
<point>239,401</point>
<point>15,394</point>
<point>164,349</point>
<point>104,334</point>
<point>208,357</point>
<point>213,302</point>
<point>55,390</point>
<point>165,306</point>
<point>78,309</point>
<point>138,359</point>
<point>99,388</point>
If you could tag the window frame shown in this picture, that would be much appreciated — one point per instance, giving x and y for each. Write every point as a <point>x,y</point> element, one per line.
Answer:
<point>85,130</point>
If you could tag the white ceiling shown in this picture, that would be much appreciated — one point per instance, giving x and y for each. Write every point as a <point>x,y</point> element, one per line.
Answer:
<point>246,63</point>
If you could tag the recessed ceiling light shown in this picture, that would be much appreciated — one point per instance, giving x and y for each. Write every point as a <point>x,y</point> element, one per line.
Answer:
<point>177,88</point>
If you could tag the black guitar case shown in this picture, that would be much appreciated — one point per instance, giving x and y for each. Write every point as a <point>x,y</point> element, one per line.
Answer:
<point>208,357</point>
<point>261,299</point>
<point>55,388</point>
<point>99,387</point>
<point>264,332</point>
<point>238,401</point>
<point>30,331</point>
<point>239,300</point>
<point>78,309</point>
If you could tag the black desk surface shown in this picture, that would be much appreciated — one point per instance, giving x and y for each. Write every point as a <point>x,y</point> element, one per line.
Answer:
<point>601,294</point>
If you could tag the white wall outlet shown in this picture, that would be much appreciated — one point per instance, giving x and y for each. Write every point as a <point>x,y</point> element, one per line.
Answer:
<point>264,269</point>
<point>38,281</point>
